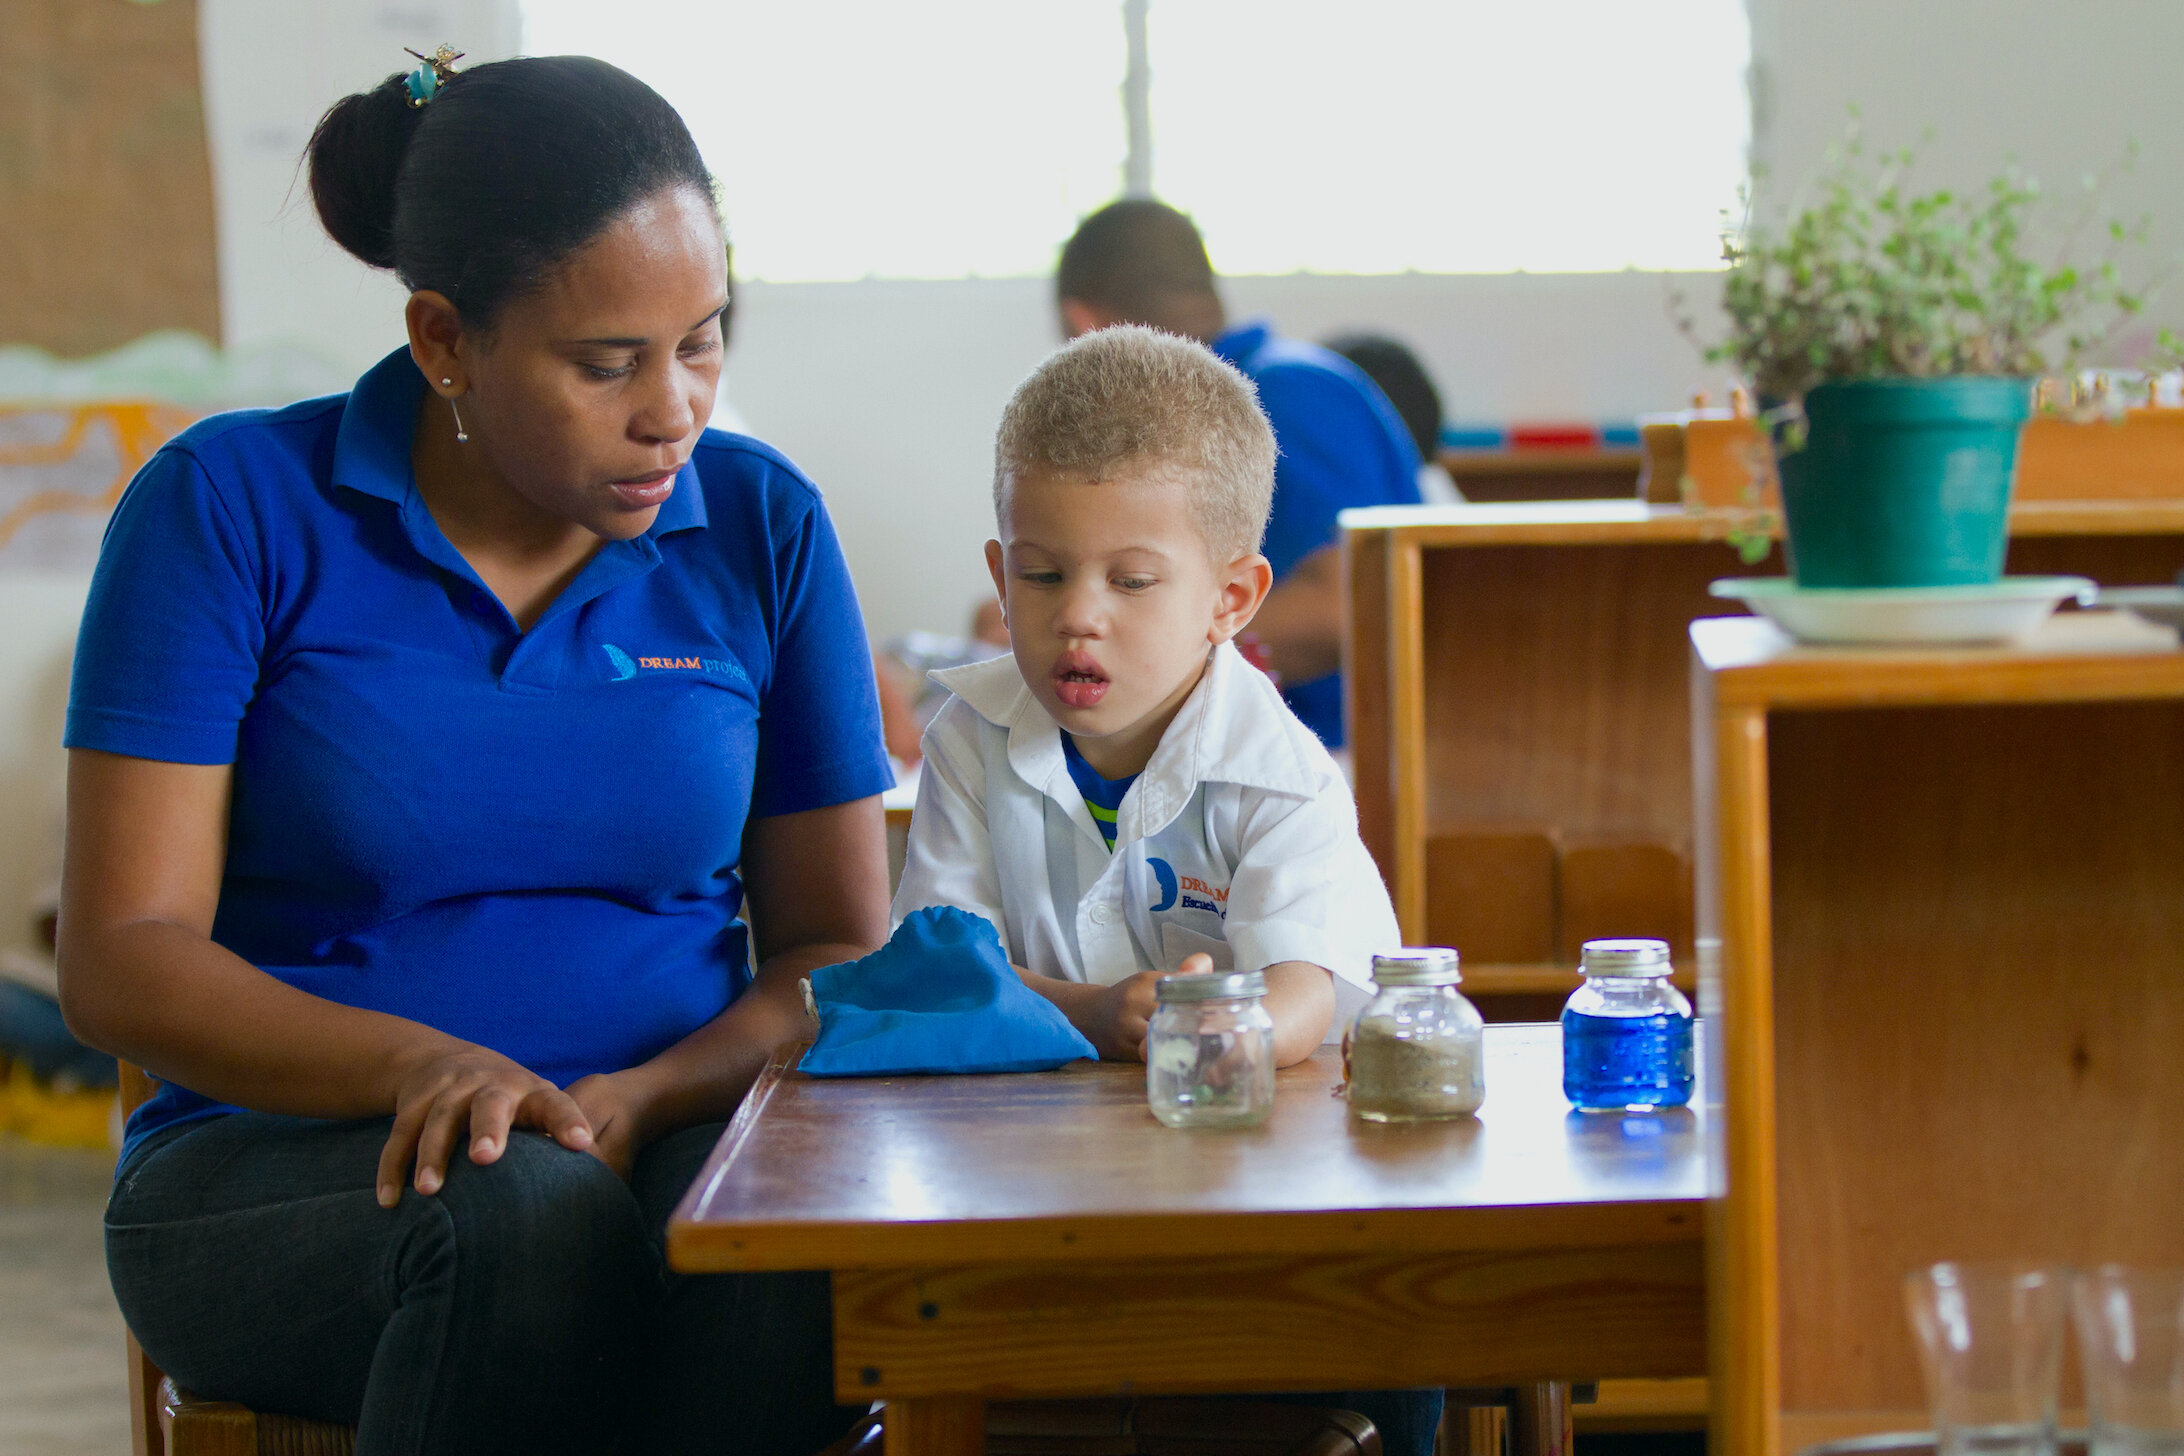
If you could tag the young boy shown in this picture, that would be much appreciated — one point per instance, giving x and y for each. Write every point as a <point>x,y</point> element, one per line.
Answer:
<point>1124,796</point>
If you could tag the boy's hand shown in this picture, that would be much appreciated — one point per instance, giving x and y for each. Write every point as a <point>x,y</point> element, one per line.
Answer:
<point>1123,1011</point>
<point>1117,1018</point>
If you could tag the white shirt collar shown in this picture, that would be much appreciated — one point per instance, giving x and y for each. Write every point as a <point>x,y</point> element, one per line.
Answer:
<point>1233,729</point>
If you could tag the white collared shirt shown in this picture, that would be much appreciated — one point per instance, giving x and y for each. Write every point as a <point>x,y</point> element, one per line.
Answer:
<point>1239,839</point>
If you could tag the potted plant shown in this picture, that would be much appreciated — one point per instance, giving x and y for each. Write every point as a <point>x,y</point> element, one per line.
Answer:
<point>1894,340</point>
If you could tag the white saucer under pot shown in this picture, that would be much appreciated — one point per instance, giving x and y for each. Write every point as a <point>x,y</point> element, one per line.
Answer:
<point>2002,611</point>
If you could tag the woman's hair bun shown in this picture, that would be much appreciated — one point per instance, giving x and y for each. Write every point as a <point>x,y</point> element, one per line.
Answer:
<point>356,158</point>
<point>513,166</point>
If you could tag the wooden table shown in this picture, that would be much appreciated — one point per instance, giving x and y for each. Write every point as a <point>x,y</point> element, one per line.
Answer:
<point>1519,713</point>
<point>1042,1235</point>
<point>1942,930</point>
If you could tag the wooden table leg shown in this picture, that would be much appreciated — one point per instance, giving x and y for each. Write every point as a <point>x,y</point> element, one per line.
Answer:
<point>1471,1422</point>
<point>1539,1420</point>
<point>939,1425</point>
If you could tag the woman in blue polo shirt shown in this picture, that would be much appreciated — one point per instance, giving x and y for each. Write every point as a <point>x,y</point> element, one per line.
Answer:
<point>427,743</point>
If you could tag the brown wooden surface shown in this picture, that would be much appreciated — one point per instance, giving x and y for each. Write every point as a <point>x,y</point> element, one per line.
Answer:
<point>2000,833</point>
<point>1209,1324</point>
<point>2073,657</point>
<point>942,1426</point>
<point>1563,523</point>
<point>1493,894</point>
<point>2139,456</point>
<point>1522,669</point>
<point>1070,1166</point>
<point>192,1427</point>
<point>145,1436</point>
<point>1042,1235</point>
<point>106,208</point>
<point>1470,1430</point>
<point>1366,681</point>
<point>1539,1420</point>
<point>1744,1371</point>
<point>1544,474</point>
<point>1645,1405</point>
<point>1611,889</point>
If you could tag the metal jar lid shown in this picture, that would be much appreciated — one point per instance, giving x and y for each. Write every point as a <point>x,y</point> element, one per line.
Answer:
<point>1432,965</point>
<point>1624,958</point>
<point>1211,986</point>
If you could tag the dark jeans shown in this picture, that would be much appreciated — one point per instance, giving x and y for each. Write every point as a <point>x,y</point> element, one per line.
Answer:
<point>527,1307</point>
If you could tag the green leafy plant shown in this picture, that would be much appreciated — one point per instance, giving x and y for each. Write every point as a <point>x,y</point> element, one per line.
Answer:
<point>1875,280</point>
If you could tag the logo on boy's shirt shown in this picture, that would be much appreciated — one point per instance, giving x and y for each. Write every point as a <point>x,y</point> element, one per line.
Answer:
<point>1186,892</point>
<point>626,667</point>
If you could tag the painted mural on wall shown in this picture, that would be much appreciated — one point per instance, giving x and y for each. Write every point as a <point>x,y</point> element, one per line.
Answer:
<point>73,432</point>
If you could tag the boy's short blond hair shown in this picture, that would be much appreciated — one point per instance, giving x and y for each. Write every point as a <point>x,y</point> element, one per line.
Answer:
<point>1130,396</point>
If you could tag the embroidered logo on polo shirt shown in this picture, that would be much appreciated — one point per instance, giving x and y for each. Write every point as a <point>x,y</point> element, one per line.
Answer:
<point>1185,892</point>
<point>626,667</point>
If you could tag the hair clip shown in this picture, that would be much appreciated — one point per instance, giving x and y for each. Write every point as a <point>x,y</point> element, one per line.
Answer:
<point>438,69</point>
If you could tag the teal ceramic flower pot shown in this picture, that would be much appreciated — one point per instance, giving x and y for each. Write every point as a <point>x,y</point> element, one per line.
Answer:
<point>1903,482</point>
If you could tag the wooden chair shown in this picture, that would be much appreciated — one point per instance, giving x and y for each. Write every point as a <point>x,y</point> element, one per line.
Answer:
<point>167,1421</point>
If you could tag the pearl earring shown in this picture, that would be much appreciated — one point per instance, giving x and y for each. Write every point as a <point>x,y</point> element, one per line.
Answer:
<point>461,437</point>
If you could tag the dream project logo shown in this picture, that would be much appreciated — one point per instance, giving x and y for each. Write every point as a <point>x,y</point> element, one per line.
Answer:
<point>627,667</point>
<point>1185,892</point>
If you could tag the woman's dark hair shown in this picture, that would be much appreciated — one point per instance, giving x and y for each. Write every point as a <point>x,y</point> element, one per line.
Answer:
<point>512,167</point>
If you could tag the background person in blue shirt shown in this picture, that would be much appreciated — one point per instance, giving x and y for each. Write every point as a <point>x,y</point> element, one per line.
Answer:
<point>1141,262</point>
<point>426,742</point>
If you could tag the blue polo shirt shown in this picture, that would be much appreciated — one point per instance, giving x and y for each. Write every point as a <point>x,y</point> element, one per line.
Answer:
<point>527,839</point>
<point>1342,445</point>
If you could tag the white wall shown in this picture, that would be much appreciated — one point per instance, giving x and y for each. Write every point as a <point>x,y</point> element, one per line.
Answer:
<point>271,68</point>
<point>887,393</point>
<point>2060,89</point>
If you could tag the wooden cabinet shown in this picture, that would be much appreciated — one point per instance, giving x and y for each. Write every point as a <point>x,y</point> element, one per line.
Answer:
<point>1549,473</point>
<point>1941,921</point>
<point>1519,712</point>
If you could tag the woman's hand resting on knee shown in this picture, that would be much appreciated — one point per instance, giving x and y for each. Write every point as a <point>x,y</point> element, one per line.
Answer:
<point>457,1091</point>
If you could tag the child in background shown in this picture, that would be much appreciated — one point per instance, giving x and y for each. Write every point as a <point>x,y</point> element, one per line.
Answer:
<point>1122,795</point>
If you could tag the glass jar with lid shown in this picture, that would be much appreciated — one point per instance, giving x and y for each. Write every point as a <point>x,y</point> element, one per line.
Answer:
<point>1415,1053</point>
<point>1626,1033</point>
<point>1209,1052</point>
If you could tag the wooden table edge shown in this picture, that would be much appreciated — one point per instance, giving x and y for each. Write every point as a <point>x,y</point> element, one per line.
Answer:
<point>1912,677</point>
<point>695,1247</point>
<point>1615,520</point>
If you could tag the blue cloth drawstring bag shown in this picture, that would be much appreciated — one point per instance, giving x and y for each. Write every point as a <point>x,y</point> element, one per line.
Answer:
<point>938,997</point>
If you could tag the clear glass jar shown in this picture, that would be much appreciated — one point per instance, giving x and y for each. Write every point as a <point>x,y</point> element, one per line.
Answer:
<point>1415,1053</point>
<point>1209,1053</point>
<point>1626,1033</point>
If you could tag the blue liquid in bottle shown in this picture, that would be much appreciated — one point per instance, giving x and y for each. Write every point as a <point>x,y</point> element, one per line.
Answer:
<point>1610,1063</point>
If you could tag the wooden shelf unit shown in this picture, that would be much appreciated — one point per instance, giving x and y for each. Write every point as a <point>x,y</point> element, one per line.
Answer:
<point>1545,473</point>
<point>1519,695</point>
<point>1941,929</point>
